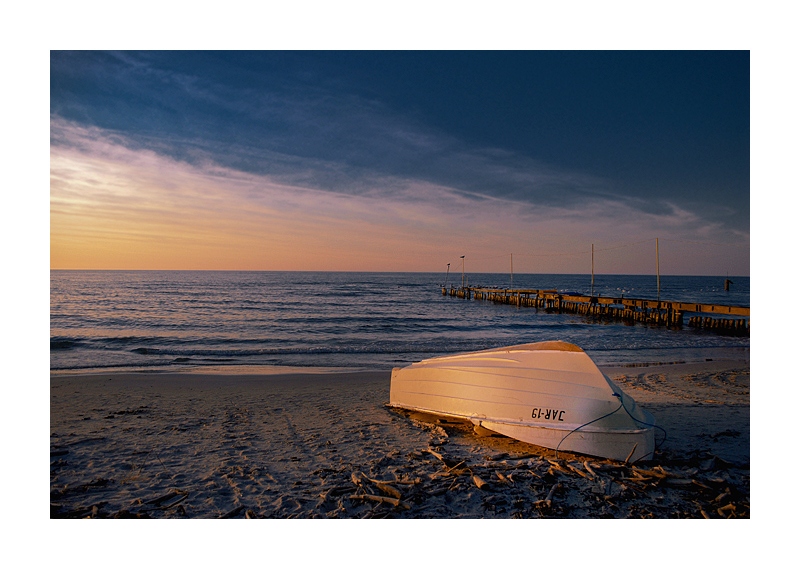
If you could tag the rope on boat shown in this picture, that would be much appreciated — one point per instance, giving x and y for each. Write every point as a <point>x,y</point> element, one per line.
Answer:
<point>660,428</point>
<point>621,406</point>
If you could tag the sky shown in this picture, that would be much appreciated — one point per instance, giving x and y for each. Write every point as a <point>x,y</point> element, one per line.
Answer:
<point>401,161</point>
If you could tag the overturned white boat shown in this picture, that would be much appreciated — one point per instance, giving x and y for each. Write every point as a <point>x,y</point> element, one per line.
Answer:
<point>550,394</point>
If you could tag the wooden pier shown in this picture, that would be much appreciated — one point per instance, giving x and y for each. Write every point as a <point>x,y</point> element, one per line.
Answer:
<point>722,319</point>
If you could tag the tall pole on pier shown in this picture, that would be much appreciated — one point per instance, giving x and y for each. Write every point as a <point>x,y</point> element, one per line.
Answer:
<point>462,271</point>
<point>447,275</point>
<point>512,270</point>
<point>592,269</point>
<point>658,274</point>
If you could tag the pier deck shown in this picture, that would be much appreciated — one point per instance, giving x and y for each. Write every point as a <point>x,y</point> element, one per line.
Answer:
<point>725,319</point>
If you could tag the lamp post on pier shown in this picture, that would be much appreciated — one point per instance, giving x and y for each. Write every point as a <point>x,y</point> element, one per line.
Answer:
<point>462,271</point>
<point>658,275</point>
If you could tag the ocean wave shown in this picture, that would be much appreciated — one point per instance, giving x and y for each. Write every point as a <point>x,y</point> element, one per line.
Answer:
<point>64,343</point>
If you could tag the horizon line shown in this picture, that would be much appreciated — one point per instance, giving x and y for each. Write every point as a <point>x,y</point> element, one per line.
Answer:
<point>384,272</point>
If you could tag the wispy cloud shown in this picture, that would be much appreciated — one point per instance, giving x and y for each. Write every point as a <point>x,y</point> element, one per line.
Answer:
<point>312,135</point>
<point>317,135</point>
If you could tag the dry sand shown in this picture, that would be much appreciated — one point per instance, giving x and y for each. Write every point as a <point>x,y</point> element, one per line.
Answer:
<point>324,445</point>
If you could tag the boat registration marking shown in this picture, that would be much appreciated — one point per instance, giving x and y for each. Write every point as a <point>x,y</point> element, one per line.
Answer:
<point>548,414</point>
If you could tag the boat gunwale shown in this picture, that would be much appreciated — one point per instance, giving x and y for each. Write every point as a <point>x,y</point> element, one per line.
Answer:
<point>568,428</point>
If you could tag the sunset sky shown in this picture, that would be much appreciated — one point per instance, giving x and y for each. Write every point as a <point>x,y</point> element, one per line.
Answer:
<point>401,161</point>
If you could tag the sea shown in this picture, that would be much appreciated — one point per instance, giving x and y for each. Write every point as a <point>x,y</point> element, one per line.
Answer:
<point>204,320</point>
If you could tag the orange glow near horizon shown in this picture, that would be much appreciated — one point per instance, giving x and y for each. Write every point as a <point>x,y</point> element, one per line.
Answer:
<point>113,207</point>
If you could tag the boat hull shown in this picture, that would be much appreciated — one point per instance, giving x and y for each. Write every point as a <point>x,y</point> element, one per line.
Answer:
<point>550,394</point>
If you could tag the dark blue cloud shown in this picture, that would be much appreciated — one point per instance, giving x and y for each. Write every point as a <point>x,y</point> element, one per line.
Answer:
<point>530,126</point>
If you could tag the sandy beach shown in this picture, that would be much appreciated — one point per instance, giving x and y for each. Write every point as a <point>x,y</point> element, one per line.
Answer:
<point>324,445</point>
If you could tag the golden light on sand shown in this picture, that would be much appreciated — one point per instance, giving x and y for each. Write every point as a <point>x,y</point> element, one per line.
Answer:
<point>340,466</point>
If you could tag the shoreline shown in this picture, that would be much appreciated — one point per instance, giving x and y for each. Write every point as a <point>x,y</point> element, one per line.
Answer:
<point>218,370</point>
<point>693,356</point>
<point>311,442</point>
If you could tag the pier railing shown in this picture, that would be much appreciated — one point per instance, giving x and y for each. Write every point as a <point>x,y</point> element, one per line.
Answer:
<point>724,319</point>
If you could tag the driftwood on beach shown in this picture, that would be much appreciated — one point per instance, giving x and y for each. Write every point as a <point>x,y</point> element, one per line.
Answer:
<point>530,487</point>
